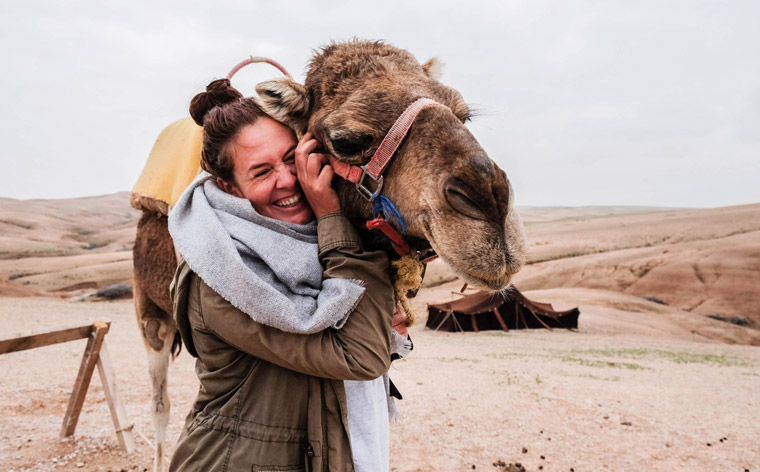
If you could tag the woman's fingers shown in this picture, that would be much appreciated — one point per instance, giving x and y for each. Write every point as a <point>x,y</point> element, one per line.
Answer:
<point>326,176</point>
<point>314,165</point>
<point>305,146</point>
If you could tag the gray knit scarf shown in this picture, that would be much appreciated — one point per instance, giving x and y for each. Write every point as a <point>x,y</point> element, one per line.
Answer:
<point>266,268</point>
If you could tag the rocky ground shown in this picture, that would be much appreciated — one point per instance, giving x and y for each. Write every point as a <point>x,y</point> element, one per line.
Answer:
<point>602,398</point>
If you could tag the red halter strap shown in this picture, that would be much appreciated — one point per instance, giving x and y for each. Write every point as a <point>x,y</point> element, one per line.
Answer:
<point>397,241</point>
<point>254,60</point>
<point>376,166</point>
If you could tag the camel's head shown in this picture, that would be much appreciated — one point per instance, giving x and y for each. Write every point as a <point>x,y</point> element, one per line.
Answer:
<point>452,196</point>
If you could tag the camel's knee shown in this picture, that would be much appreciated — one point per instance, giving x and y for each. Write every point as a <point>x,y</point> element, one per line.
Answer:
<point>158,333</point>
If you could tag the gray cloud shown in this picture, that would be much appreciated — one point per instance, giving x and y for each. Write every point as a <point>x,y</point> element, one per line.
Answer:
<point>583,102</point>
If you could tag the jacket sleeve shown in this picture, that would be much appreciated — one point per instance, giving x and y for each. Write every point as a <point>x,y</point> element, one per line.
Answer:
<point>360,350</point>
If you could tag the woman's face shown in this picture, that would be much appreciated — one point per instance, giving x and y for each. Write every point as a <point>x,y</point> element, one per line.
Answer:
<point>264,171</point>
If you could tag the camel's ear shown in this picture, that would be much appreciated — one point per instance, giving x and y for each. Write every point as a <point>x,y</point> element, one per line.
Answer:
<point>286,101</point>
<point>433,68</point>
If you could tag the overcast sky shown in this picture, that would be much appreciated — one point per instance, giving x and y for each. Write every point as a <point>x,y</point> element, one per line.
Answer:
<point>582,102</point>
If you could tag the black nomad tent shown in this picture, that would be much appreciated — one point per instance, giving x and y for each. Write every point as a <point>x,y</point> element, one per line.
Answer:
<point>487,311</point>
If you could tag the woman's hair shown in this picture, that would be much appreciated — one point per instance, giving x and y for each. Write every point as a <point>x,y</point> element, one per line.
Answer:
<point>222,111</point>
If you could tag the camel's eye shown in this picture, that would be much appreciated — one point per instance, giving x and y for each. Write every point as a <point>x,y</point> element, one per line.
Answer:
<point>350,144</point>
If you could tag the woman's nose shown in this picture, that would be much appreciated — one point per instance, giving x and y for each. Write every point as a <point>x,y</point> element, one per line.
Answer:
<point>286,177</point>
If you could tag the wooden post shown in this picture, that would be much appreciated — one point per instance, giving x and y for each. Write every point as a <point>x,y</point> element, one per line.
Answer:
<point>474,323</point>
<point>35,340</point>
<point>95,354</point>
<point>89,359</point>
<point>118,414</point>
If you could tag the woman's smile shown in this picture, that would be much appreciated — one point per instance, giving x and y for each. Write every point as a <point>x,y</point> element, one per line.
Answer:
<point>289,201</point>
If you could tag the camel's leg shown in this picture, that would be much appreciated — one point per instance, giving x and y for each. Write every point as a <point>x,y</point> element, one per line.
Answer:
<point>158,331</point>
<point>155,263</point>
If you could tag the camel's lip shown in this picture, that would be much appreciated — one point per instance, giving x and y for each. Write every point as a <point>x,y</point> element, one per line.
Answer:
<point>489,284</point>
<point>496,284</point>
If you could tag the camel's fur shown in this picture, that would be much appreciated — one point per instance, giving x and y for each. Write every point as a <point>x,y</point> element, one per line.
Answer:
<point>452,196</point>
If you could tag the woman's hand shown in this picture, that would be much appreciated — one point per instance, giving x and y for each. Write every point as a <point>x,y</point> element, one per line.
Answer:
<point>315,176</point>
<point>399,322</point>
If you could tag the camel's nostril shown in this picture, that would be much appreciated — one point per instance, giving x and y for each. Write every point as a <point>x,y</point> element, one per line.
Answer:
<point>469,201</point>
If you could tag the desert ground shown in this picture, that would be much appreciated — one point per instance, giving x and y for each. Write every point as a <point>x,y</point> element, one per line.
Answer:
<point>641,385</point>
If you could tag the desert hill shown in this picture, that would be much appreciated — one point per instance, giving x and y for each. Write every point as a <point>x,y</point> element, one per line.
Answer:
<point>705,261</point>
<point>65,247</point>
<point>42,228</point>
<point>701,260</point>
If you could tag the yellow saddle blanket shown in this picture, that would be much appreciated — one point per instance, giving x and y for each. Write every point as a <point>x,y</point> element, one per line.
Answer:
<point>172,165</point>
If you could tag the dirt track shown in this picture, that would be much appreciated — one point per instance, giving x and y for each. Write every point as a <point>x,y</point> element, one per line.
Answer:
<point>594,400</point>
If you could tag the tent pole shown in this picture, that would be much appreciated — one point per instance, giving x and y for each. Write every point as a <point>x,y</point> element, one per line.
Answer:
<point>500,319</point>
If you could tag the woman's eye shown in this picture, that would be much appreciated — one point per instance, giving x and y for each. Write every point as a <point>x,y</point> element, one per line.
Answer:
<point>260,173</point>
<point>351,144</point>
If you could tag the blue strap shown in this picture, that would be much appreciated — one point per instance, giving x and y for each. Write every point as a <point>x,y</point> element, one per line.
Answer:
<point>384,207</point>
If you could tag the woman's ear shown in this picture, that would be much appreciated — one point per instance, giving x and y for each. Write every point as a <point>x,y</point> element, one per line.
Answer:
<point>286,101</point>
<point>229,187</point>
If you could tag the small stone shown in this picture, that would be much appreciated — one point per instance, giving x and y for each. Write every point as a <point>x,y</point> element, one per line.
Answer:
<point>626,423</point>
<point>543,458</point>
<point>709,444</point>
<point>525,450</point>
<point>80,464</point>
<point>540,467</point>
<point>473,466</point>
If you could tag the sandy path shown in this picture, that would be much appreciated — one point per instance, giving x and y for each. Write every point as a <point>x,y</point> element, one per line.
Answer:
<point>594,400</point>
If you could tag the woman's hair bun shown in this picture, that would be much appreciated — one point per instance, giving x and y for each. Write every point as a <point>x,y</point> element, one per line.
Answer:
<point>218,93</point>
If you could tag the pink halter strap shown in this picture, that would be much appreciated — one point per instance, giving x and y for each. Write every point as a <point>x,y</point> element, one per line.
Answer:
<point>382,157</point>
<point>254,60</point>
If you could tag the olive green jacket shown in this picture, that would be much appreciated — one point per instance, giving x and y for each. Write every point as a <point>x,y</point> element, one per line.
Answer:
<point>271,400</point>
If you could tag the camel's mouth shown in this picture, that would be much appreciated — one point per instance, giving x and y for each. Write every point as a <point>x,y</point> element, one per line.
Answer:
<point>496,279</point>
<point>489,284</point>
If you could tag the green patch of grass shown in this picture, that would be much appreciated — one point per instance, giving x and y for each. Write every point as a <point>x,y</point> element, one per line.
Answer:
<point>614,378</point>
<point>599,363</point>
<point>457,359</point>
<point>677,357</point>
<point>508,355</point>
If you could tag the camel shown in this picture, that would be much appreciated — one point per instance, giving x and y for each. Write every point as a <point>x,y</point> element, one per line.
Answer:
<point>454,199</point>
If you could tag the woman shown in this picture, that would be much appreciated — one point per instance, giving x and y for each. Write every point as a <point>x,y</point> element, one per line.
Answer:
<point>276,333</point>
